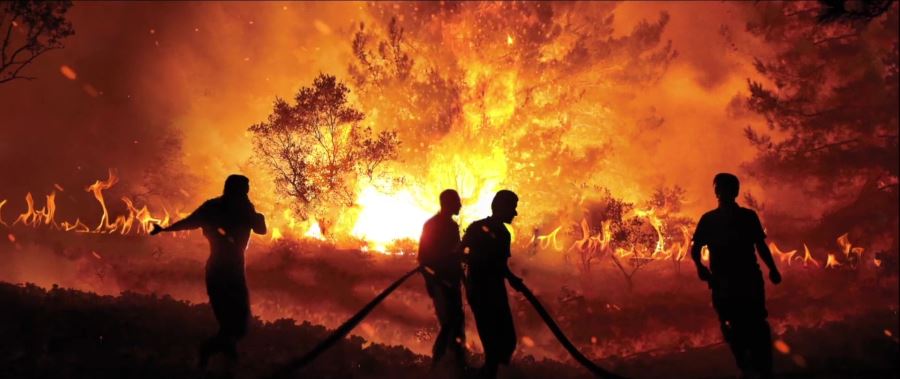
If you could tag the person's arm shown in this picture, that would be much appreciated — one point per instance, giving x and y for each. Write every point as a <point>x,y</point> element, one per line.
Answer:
<point>192,221</point>
<point>766,255</point>
<point>514,280</point>
<point>449,246</point>
<point>259,223</point>
<point>699,240</point>
<point>426,243</point>
<point>762,249</point>
<point>466,242</point>
<point>702,271</point>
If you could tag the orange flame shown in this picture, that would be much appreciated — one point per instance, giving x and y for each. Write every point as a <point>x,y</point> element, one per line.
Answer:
<point>97,189</point>
<point>657,224</point>
<point>2,202</point>
<point>124,224</point>
<point>43,216</point>
<point>685,244</point>
<point>549,240</point>
<point>784,257</point>
<point>782,347</point>
<point>808,259</point>
<point>314,231</point>
<point>844,242</point>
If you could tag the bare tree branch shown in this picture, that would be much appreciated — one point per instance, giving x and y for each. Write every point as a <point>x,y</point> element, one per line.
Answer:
<point>43,25</point>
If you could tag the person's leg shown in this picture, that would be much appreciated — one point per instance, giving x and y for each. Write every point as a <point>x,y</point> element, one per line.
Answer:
<point>497,332</point>
<point>440,345</point>
<point>506,330</point>
<point>439,297</point>
<point>236,321</point>
<point>457,331</point>
<point>735,344</point>
<point>761,348</point>
<point>218,301</point>
<point>489,370</point>
<point>726,310</point>
<point>209,347</point>
<point>483,312</point>
<point>230,302</point>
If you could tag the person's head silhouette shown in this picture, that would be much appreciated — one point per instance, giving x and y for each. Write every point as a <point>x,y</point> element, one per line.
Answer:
<point>727,187</point>
<point>504,206</point>
<point>450,202</point>
<point>236,187</point>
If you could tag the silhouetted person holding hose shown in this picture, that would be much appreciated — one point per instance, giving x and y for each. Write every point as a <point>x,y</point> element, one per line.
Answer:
<point>443,278</point>
<point>733,235</point>
<point>487,243</point>
<point>226,222</point>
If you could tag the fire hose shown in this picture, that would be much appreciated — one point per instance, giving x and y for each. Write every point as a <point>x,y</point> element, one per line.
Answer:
<point>347,326</point>
<point>561,337</point>
<point>342,330</point>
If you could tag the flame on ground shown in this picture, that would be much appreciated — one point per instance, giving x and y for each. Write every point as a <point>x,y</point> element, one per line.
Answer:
<point>384,218</point>
<point>387,216</point>
<point>136,221</point>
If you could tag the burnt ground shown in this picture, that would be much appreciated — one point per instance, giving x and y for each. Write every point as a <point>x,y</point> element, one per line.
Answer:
<point>62,333</point>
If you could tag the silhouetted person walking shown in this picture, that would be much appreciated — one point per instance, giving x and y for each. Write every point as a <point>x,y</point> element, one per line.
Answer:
<point>488,245</point>
<point>438,253</point>
<point>226,222</point>
<point>732,234</point>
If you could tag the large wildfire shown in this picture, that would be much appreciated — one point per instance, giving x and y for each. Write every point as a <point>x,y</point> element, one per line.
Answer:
<point>370,229</point>
<point>609,120</point>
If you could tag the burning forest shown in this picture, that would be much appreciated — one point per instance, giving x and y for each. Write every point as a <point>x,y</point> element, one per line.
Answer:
<point>590,133</point>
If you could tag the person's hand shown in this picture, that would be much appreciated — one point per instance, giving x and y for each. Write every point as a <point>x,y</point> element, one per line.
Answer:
<point>155,229</point>
<point>775,276</point>
<point>516,282</point>
<point>704,273</point>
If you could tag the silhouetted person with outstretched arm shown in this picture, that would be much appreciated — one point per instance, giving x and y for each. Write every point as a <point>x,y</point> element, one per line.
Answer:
<point>226,222</point>
<point>733,235</point>
<point>488,244</point>
<point>443,278</point>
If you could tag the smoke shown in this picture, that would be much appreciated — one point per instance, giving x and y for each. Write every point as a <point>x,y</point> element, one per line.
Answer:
<point>163,94</point>
<point>551,100</point>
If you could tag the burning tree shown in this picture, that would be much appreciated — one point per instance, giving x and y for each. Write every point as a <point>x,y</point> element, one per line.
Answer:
<point>601,224</point>
<point>318,150</point>
<point>424,103</point>
<point>32,29</point>
<point>529,90</point>
<point>632,237</point>
<point>831,110</point>
<point>666,203</point>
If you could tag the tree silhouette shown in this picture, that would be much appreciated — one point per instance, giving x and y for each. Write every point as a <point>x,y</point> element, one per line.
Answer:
<point>831,110</point>
<point>615,228</point>
<point>32,29</point>
<point>317,148</point>
<point>852,11</point>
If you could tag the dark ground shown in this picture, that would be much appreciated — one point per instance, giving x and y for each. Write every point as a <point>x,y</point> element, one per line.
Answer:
<point>61,333</point>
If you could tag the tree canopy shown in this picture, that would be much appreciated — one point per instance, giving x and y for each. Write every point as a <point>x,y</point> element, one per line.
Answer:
<point>317,147</point>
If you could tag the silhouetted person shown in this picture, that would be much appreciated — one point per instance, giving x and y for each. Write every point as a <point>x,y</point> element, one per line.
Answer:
<point>488,245</point>
<point>438,253</point>
<point>226,222</point>
<point>733,235</point>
